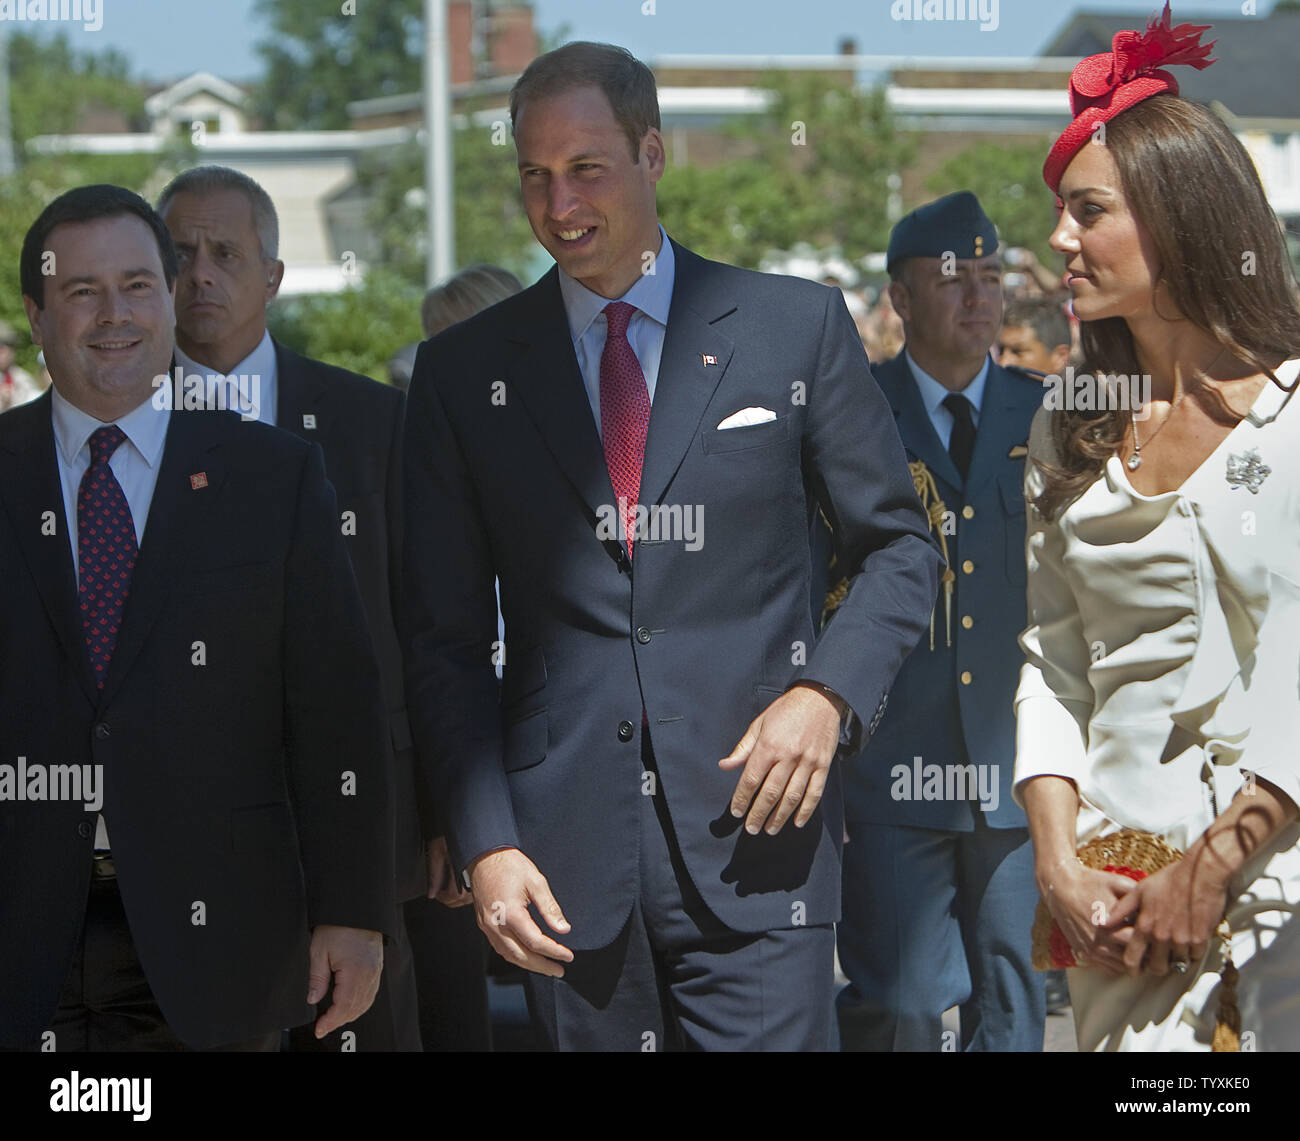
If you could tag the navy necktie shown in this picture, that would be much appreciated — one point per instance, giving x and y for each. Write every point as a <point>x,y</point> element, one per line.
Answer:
<point>961,444</point>
<point>106,550</point>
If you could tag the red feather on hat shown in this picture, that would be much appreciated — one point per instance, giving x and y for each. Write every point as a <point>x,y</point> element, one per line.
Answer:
<point>1135,54</point>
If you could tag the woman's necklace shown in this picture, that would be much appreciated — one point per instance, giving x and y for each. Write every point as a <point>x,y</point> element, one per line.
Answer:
<point>1135,460</point>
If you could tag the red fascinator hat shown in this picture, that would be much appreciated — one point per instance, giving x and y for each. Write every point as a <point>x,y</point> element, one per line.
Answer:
<point>1102,86</point>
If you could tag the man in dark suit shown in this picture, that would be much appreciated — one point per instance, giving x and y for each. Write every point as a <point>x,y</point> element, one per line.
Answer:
<point>182,628</point>
<point>227,237</point>
<point>634,446</point>
<point>939,891</point>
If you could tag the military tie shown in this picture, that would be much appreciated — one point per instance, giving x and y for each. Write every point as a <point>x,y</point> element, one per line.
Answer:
<point>961,444</point>
<point>106,550</point>
<point>624,413</point>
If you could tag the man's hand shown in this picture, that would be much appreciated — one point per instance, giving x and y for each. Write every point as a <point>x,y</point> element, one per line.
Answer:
<point>786,752</point>
<point>504,884</point>
<point>444,884</point>
<point>354,959</point>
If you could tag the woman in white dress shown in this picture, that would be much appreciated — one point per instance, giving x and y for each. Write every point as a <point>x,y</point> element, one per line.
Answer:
<point>1162,684</point>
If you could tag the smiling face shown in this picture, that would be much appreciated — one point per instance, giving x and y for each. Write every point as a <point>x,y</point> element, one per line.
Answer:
<point>950,319</point>
<point>589,204</point>
<point>106,326</point>
<point>1110,259</point>
<point>224,284</point>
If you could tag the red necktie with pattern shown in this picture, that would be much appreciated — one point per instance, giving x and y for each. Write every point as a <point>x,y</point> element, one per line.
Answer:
<point>106,550</point>
<point>624,413</point>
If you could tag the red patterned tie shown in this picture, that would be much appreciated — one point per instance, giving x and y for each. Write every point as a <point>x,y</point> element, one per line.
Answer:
<point>624,413</point>
<point>106,550</point>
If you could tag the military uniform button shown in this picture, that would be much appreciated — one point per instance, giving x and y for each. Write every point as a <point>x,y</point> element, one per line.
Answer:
<point>967,567</point>
<point>967,622</point>
<point>966,678</point>
<point>968,512</point>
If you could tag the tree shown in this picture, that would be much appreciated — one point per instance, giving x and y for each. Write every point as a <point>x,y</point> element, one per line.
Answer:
<point>320,56</point>
<point>1008,181</point>
<point>358,329</point>
<point>818,172</point>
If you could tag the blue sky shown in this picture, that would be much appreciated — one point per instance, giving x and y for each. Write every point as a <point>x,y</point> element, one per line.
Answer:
<point>166,39</point>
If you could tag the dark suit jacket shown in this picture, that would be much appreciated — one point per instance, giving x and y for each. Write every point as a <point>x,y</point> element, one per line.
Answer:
<point>505,475</point>
<point>225,783</point>
<point>932,713</point>
<point>358,424</point>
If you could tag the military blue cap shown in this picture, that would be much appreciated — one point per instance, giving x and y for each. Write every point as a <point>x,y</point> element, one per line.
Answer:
<point>955,224</point>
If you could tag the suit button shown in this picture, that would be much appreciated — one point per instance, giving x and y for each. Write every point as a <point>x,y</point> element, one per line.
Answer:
<point>625,730</point>
<point>967,622</point>
<point>968,512</point>
<point>102,731</point>
<point>83,830</point>
<point>967,567</point>
<point>966,678</point>
<point>643,635</point>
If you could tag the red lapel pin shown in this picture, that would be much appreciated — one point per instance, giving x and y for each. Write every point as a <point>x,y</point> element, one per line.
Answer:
<point>198,479</point>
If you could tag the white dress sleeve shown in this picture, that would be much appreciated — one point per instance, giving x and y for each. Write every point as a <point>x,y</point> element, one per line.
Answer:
<point>1054,701</point>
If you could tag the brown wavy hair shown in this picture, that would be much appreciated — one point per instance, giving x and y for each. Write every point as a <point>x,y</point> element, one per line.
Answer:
<point>1191,184</point>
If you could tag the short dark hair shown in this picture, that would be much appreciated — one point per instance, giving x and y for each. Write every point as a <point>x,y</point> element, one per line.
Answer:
<point>1046,317</point>
<point>86,204</point>
<point>626,82</point>
<point>210,179</point>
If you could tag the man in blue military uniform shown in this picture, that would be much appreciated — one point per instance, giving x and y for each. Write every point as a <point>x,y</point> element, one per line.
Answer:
<point>938,883</point>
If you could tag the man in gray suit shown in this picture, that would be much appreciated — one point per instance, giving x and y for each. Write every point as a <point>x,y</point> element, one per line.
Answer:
<point>634,446</point>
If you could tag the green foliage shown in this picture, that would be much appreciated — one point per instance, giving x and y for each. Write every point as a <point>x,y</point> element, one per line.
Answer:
<point>51,86</point>
<point>1008,181</point>
<point>357,329</point>
<point>818,172</point>
<point>318,58</point>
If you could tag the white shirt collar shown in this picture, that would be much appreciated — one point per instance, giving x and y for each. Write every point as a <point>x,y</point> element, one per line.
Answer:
<point>252,373</point>
<point>652,293</point>
<point>933,393</point>
<point>145,426</point>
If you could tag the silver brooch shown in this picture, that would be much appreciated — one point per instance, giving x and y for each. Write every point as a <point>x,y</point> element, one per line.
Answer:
<point>1247,470</point>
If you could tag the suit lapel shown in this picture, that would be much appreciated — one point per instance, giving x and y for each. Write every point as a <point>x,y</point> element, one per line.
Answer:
<point>299,392</point>
<point>685,383</point>
<point>177,509</point>
<point>914,424</point>
<point>996,433</point>
<point>546,376</point>
<point>29,487</point>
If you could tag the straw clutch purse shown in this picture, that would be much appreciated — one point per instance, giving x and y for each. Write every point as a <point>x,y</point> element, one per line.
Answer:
<point>1136,855</point>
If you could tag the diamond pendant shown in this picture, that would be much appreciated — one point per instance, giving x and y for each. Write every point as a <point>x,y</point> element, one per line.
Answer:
<point>1134,461</point>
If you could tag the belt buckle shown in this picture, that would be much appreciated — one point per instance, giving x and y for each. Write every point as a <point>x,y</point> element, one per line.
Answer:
<point>103,867</point>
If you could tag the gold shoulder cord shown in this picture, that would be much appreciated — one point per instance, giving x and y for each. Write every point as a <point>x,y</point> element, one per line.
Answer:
<point>935,509</point>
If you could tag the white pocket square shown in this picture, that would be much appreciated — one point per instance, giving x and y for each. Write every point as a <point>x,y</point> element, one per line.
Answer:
<point>747,417</point>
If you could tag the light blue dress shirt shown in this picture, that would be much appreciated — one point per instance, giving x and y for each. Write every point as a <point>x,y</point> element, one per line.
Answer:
<point>933,394</point>
<point>652,294</point>
<point>255,375</point>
